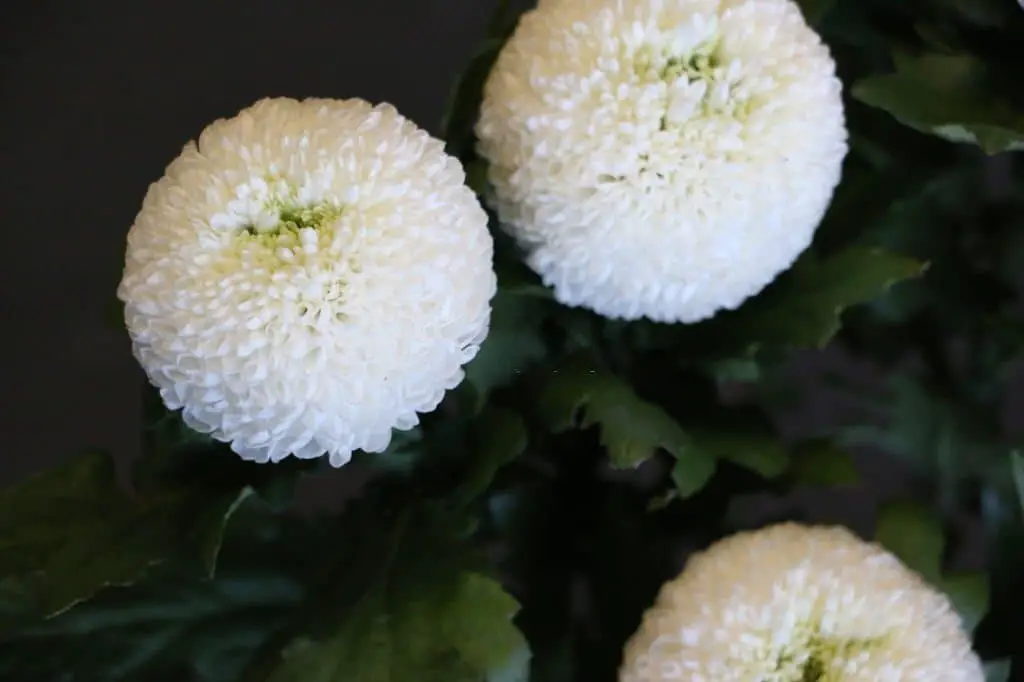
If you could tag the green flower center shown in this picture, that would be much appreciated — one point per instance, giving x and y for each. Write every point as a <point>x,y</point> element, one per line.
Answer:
<point>284,223</point>
<point>811,657</point>
<point>700,65</point>
<point>293,219</point>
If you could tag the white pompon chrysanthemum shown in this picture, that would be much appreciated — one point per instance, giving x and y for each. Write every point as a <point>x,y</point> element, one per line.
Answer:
<point>307,277</point>
<point>662,158</point>
<point>793,603</point>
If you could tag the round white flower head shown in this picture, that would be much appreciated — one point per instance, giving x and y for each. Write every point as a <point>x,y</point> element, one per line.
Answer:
<point>793,603</point>
<point>662,158</point>
<point>307,277</point>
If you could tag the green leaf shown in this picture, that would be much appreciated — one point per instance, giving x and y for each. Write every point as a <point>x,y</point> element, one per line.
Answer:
<point>463,633</point>
<point>820,463</point>
<point>408,602</point>
<point>632,429</point>
<point>69,532</point>
<point>997,671</point>
<point>803,307</point>
<point>969,593</point>
<point>761,453</point>
<point>689,474</point>
<point>147,632</point>
<point>513,344</point>
<point>178,628</point>
<point>914,535</point>
<point>945,95</point>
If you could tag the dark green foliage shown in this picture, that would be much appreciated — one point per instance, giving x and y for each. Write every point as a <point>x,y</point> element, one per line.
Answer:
<point>522,529</point>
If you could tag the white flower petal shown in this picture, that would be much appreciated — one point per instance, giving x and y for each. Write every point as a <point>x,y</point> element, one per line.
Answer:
<point>308,276</point>
<point>662,158</point>
<point>791,603</point>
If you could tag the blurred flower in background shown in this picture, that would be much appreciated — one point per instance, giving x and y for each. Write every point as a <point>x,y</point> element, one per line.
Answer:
<point>792,602</point>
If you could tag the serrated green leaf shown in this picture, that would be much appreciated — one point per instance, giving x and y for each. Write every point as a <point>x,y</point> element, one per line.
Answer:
<point>998,671</point>
<point>69,532</point>
<point>803,308</point>
<point>632,429</point>
<point>821,463</point>
<point>969,593</point>
<point>512,346</point>
<point>914,535</point>
<point>945,95</point>
<point>408,604</point>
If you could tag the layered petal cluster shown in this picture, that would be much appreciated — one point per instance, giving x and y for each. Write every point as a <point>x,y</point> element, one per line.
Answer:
<point>307,277</point>
<point>793,603</point>
<point>664,159</point>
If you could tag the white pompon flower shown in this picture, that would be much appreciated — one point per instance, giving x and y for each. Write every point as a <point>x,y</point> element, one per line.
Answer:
<point>662,158</point>
<point>792,603</point>
<point>307,277</point>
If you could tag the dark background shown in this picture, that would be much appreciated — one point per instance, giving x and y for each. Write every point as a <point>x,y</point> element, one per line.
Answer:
<point>96,98</point>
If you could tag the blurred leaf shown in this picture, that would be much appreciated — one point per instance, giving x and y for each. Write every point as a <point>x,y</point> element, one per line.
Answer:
<point>912,533</point>
<point>539,535</point>
<point>632,429</point>
<point>476,176</point>
<point>70,531</point>
<point>178,628</point>
<point>802,308</point>
<point>407,602</point>
<point>1017,464</point>
<point>998,635</point>
<point>969,593</point>
<point>500,437</point>
<point>461,108</point>
<point>735,370</point>
<point>460,634</point>
<point>512,346</point>
<point>820,463</point>
<point>463,103</point>
<point>199,631</point>
<point>944,441</point>
<point>814,10</point>
<point>402,454</point>
<point>760,452</point>
<point>690,475</point>
<point>945,95</point>
<point>175,457</point>
<point>864,198</point>
<point>989,13</point>
<point>997,671</point>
